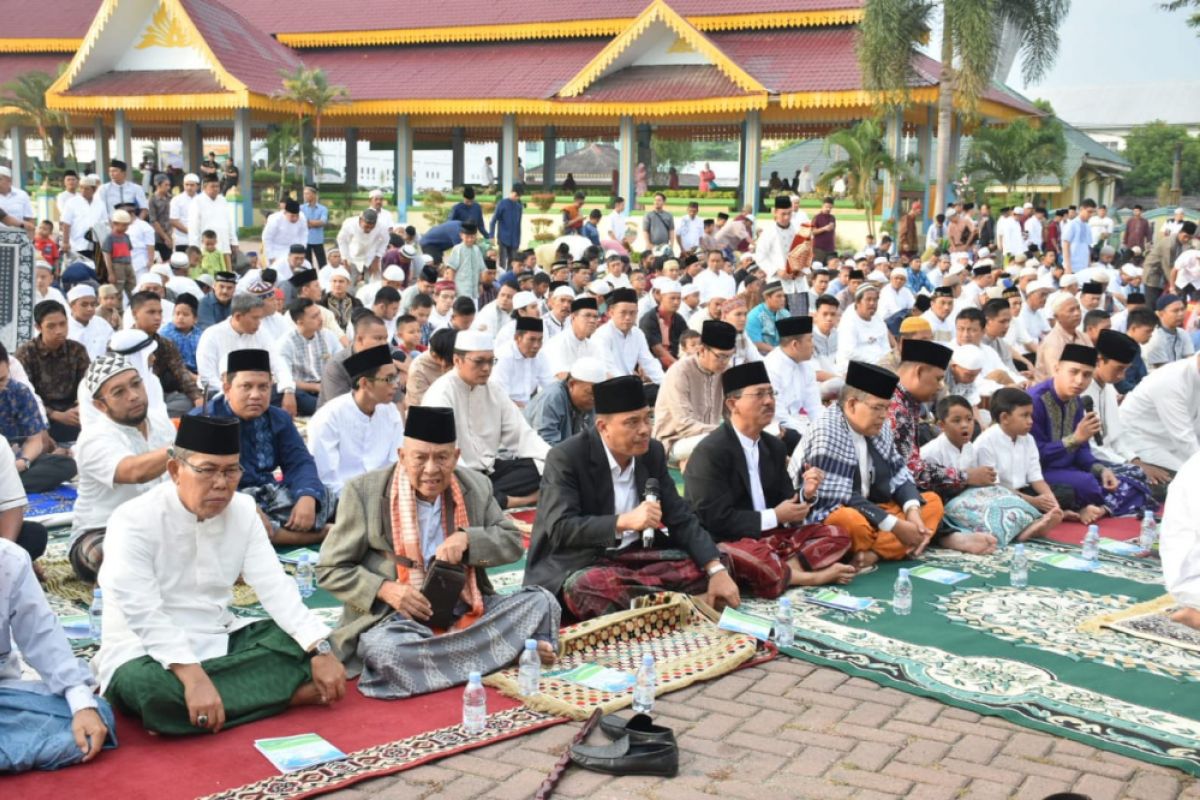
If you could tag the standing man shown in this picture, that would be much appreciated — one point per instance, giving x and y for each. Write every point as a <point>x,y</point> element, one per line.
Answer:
<point>316,217</point>
<point>691,227</point>
<point>824,231</point>
<point>1159,261</point>
<point>119,191</point>
<point>16,210</point>
<point>285,229</point>
<point>1077,239</point>
<point>1137,232</point>
<point>505,229</point>
<point>180,209</point>
<point>160,217</point>
<point>362,241</point>
<point>910,226</point>
<point>466,261</point>
<point>208,211</point>
<point>658,224</point>
<point>468,211</point>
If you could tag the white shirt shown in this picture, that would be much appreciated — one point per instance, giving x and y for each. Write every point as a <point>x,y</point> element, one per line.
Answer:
<point>1010,236</point>
<point>346,443</point>
<point>625,494</point>
<point>1160,418</point>
<point>565,349</point>
<point>624,352</point>
<point>94,336</point>
<point>180,204</point>
<point>1033,232</point>
<point>16,204</point>
<point>616,224</point>
<point>1034,323</point>
<point>111,194</point>
<point>1179,543</point>
<point>892,300</point>
<point>767,516</point>
<point>551,327</point>
<point>62,198</point>
<point>1016,463</point>
<point>274,328</point>
<point>51,294</point>
<point>773,246</point>
<point>102,445</point>
<point>219,340</point>
<point>519,376</point>
<point>141,245</point>
<point>491,318</point>
<point>941,451</point>
<point>168,581</point>
<point>861,339</point>
<point>1104,401</point>
<point>943,329</point>
<point>489,425</point>
<point>799,390</point>
<point>689,230</point>
<point>82,216</point>
<point>360,248</point>
<point>208,214</point>
<point>1101,228</point>
<point>12,491</point>
<point>279,235</point>
<point>715,284</point>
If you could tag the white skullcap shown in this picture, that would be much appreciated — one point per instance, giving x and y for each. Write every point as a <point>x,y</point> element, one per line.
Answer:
<point>1132,270</point>
<point>339,272</point>
<point>1028,205</point>
<point>41,263</point>
<point>375,193</point>
<point>393,273</point>
<point>588,370</point>
<point>669,286</point>
<point>899,272</point>
<point>206,279</point>
<point>5,172</point>
<point>746,257</point>
<point>1059,301</point>
<point>1179,210</point>
<point>90,180</point>
<point>817,265</point>
<point>191,177</point>
<point>1068,280</point>
<point>1040,285</point>
<point>150,279</point>
<point>82,290</point>
<point>164,270</point>
<point>610,255</point>
<point>179,259</point>
<point>1136,249</point>
<point>985,262</point>
<point>880,260</point>
<point>1099,274</point>
<point>689,289</point>
<point>957,269</point>
<point>122,216</point>
<point>968,356</point>
<point>103,368</point>
<point>471,341</point>
<point>1028,272</point>
<point>994,292</point>
<point>522,299</point>
<point>599,287</point>
<point>984,252</point>
<point>409,251</point>
<point>563,291</point>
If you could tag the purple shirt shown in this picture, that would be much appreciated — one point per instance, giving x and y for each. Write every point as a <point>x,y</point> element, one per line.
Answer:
<point>824,241</point>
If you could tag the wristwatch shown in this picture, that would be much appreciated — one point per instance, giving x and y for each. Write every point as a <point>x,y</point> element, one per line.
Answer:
<point>719,568</point>
<point>324,648</point>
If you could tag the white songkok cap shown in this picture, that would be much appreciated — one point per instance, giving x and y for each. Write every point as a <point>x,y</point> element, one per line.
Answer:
<point>191,177</point>
<point>179,259</point>
<point>522,299</point>
<point>969,356</point>
<point>82,290</point>
<point>164,270</point>
<point>563,291</point>
<point>150,279</point>
<point>103,368</point>
<point>393,273</point>
<point>1132,270</point>
<point>339,272</point>
<point>473,341</point>
<point>588,370</point>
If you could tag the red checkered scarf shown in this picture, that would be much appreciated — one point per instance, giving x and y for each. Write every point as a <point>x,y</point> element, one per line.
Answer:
<point>406,540</point>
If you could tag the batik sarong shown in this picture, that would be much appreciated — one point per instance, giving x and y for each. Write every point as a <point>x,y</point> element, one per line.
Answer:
<point>274,500</point>
<point>995,509</point>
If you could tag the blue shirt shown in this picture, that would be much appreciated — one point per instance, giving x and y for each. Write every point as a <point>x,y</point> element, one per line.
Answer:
<point>19,414</point>
<point>760,324</point>
<point>210,312</point>
<point>1079,235</point>
<point>442,237</point>
<point>918,280</point>
<point>316,213</point>
<point>507,218</point>
<point>589,230</point>
<point>1134,375</point>
<point>186,342</point>
<point>469,213</point>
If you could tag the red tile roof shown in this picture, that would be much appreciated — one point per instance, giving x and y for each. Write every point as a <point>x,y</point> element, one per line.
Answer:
<point>797,60</point>
<point>12,65</point>
<point>142,82</point>
<point>246,52</point>
<point>63,19</point>
<point>311,16</point>
<point>456,71</point>
<point>930,70</point>
<point>650,84</point>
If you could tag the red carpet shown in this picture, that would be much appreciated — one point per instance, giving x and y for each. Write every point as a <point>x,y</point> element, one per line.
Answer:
<point>1123,528</point>
<point>146,767</point>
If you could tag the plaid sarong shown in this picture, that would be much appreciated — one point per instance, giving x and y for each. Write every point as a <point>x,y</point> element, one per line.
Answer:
<point>760,565</point>
<point>612,583</point>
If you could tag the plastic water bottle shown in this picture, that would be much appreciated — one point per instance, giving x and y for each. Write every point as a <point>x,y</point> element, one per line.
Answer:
<point>1091,546</point>
<point>1149,532</point>
<point>902,594</point>
<point>95,614</point>
<point>643,690</point>
<point>529,670</point>
<point>1018,570</point>
<point>785,626</point>
<point>306,576</point>
<point>474,705</point>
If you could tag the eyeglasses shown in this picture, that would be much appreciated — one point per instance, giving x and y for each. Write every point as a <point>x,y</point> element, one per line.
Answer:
<point>482,362</point>
<point>878,409</point>
<point>761,394</point>
<point>722,357</point>
<point>230,474</point>
<point>390,380</point>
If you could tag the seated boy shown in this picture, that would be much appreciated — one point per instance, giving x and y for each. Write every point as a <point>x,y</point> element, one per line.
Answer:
<point>1007,447</point>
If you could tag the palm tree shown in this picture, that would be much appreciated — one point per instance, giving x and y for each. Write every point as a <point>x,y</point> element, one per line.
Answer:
<point>1008,155</point>
<point>309,90</point>
<point>971,34</point>
<point>284,149</point>
<point>865,157</point>
<point>27,94</point>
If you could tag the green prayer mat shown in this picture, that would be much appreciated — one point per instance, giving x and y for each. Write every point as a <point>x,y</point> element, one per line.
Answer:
<point>1027,655</point>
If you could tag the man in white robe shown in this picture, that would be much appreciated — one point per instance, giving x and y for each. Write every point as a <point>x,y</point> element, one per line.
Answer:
<point>1160,419</point>
<point>208,211</point>
<point>1179,542</point>
<point>576,339</point>
<point>794,378</point>
<point>242,332</point>
<point>862,334</point>
<point>284,228</point>
<point>522,369</point>
<point>623,345</point>
<point>940,316</point>
<point>84,326</point>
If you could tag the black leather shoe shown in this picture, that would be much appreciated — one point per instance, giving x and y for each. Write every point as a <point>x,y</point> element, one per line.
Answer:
<point>639,728</point>
<point>623,757</point>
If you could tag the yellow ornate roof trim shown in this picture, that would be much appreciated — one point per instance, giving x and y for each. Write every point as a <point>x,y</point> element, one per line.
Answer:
<point>659,11</point>
<point>559,29</point>
<point>847,98</point>
<point>549,108</point>
<point>180,22</point>
<point>39,45</point>
<point>172,102</point>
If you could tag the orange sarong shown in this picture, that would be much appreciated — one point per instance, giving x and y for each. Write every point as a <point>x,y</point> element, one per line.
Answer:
<point>884,543</point>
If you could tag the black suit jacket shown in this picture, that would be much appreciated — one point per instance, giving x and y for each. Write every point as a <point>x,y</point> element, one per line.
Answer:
<point>717,483</point>
<point>576,521</point>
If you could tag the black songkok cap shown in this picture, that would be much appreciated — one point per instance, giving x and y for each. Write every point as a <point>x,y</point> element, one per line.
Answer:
<point>429,424</point>
<point>619,395</point>
<point>291,207</point>
<point>1117,346</point>
<point>297,250</point>
<point>533,324</point>
<point>793,326</point>
<point>580,303</point>
<point>718,335</point>
<point>753,373</point>
<point>247,361</point>
<point>871,379</point>
<point>364,361</point>
<point>302,277</point>
<point>119,164</point>
<point>783,201</point>
<point>943,291</point>
<point>622,296</point>
<point>1092,287</point>
<point>923,352</point>
<point>1080,354</point>
<point>225,277</point>
<point>213,436</point>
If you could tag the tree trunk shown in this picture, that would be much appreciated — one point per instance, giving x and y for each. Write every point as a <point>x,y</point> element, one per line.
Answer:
<point>945,120</point>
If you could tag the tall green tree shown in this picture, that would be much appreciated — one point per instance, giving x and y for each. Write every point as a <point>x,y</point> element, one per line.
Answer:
<point>1178,5</point>
<point>971,29</point>
<point>27,94</point>
<point>1150,149</point>
<point>865,158</point>
<point>1011,154</point>
<point>673,153</point>
<point>312,95</point>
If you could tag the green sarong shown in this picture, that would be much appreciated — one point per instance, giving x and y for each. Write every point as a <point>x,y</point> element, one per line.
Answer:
<point>263,669</point>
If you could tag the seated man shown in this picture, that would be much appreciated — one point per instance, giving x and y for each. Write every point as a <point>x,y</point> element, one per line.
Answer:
<point>23,425</point>
<point>623,346</point>
<point>242,331</point>
<point>1169,342</point>
<point>792,372</point>
<point>392,524</point>
<point>690,403</point>
<point>85,326</point>
<point>1180,543</point>
<point>121,454</point>
<point>495,439</point>
<point>295,510</point>
<point>307,348</point>
<point>567,407</point>
<point>521,367</point>
<point>590,544</point>
<point>361,431</point>
<point>31,536</point>
<point>1062,428</point>
<point>868,491</point>
<point>180,391</point>
<point>56,721</point>
<point>737,480</point>
<point>369,331</point>
<point>55,366</point>
<point>1160,419</point>
<point>173,653</point>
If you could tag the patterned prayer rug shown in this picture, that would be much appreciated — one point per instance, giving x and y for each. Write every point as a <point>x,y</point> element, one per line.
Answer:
<point>1033,656</point>
<point>1151,621</point>
<point>687,647</point>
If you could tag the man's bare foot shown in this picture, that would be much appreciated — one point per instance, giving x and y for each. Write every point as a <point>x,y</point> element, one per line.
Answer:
<point>38,572</point>
<point>287,536</point>
<point>1090,514</point>
<point>1041,527</point>
<point>835,573</point>
<point>865,559</point>
<point>1071,516</point>
<point>547,654</point>
<point>1187,616</point>
<point>980,543</point>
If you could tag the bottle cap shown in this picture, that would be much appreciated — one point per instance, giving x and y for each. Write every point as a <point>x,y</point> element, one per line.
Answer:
<point>531,644</point>
<point>1020,548</point>
<point>785,602</point>
<point>903,572</point>
<point>96,592</point>
<point>648,660</point>
<point>475,677</point>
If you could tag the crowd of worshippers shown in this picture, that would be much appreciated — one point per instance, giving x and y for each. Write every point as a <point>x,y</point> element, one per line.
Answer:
<point>392,404</point>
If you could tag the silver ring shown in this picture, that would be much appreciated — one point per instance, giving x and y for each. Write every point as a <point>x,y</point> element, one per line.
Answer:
<point>202,720</point>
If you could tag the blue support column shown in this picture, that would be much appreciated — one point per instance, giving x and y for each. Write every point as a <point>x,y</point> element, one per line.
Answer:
<point>241,156</point>
<point>626,179</point>
<point>751,159</point>
<point>123,139</point>
<point>404,168</point>
<point>16,149</point>
<point>508,153</point>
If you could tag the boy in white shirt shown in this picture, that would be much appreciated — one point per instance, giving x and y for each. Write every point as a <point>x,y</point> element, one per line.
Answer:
<point>1008,448</point>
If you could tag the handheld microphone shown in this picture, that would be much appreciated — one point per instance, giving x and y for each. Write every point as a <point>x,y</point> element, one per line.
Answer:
<point>651,494</point>
<point>1089,406</point>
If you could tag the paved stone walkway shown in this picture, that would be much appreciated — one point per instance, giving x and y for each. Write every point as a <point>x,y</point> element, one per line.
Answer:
<point>788,730</point>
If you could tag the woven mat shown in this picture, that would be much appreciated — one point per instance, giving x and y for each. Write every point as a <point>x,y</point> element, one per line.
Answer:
<point>687,647</point>
<point>1151,621</point>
